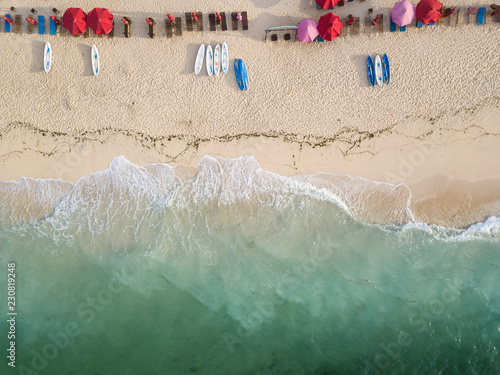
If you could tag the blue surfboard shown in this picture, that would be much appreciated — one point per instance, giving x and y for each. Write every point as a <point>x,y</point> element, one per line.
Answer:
<point>386,69</point>
<point>237,73</point>
<point>370,68</point>
<point>243,73</point>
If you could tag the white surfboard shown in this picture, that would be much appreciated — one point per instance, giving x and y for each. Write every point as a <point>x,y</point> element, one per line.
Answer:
<point>225,58</point>
<point>95,60</point>
<point>217,60</point>
<point>378,71</point>
<point>210,61</point>
<point>199,59</point>
<point>47,57</point>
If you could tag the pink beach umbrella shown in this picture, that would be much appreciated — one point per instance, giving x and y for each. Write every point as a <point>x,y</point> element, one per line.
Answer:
<point>403,13</point>
<point>307,30</point>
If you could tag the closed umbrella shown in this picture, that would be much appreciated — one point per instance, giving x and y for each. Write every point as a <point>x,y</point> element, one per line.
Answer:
<point>100,20</point>
<point>307,30</point>
<point>403,13</point>
<point>75,20</point>
<point>329,26</point>
<point>428,11</point>
<point>327,4</point>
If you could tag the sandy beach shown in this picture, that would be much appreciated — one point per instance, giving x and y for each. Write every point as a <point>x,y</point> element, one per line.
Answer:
<point>309,107</point>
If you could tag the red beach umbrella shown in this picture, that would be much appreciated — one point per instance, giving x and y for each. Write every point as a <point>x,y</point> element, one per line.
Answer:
<point>428,11</point>
<point>100,20</point>
<point>329,26</point>
<point>75,20</point>
<point>327,4</point>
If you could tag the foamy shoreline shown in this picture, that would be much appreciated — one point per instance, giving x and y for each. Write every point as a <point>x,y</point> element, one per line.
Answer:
<point>434,126</point>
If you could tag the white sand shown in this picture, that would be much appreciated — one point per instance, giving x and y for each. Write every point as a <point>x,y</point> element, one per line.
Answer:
<point>309,107</point>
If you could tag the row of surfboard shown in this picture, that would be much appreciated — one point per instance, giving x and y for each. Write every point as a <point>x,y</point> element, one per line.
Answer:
<point>218,59</point>
<point>378,71</point>
<point>47,59</point>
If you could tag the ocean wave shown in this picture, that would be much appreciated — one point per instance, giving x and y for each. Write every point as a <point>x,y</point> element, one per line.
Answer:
<point>126,197</point>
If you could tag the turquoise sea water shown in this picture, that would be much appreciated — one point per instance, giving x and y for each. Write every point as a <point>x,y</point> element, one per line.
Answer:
<point>240,271</point>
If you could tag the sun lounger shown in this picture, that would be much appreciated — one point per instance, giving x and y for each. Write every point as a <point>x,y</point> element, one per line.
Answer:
<point>62,30</point>
<point>488,17</point>
<point>126,31</point>
<point>152,28</point>
<point>199,23</point>
<point>234,21</point>
<point>178,26</point>
<point>7,24</point>
<point>29,27</point>
<point>345,30</point>
<point>392,25</point>
<point>461,15</point>
<point>355,26</point>
<point>380,23</point>
<point>211,21</point>
<point>495,18</point>
<point>244,16</point>
<point>111,34</point>
<point>419,24</point>
<point>41,24</point>
<point>17,23</point>
<point>352,29</point>
<point>441,20</point>
<point>472,16</point>
<point>52,27</point>
<point>480,16</point>
<point>368,24</point>
<point>189,22</point>
<point>452,18</point>
<point>168,27</point>
<point>223,22</point>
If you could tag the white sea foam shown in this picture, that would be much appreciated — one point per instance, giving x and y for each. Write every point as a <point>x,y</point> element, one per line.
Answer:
<point>126,197</point>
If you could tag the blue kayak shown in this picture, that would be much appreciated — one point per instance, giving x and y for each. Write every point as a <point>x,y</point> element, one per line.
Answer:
<point>237,73</point>
<point>370,68</point>
<point>243,73</point>
<point>386,70</point>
